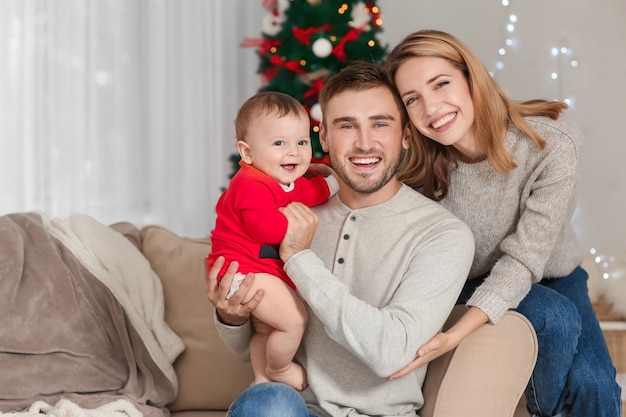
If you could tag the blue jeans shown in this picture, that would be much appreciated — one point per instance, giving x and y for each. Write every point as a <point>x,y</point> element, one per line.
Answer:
<point>269,399</point>
<point>574,375</point>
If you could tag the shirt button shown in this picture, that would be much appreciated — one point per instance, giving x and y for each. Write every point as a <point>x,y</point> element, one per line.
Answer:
<point>340,260</point>
<point>353,218</point>
<point>346,237</point>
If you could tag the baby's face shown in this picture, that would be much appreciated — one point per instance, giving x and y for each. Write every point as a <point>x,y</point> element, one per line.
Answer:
<point>279,146</point>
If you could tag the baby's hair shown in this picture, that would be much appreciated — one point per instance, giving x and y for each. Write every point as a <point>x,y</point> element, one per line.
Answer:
<point>266,103</point>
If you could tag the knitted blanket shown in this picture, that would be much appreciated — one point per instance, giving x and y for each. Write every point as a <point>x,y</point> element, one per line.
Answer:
<point>81,321</point>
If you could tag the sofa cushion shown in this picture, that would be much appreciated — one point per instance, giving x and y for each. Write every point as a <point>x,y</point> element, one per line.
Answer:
<point>209,375</point>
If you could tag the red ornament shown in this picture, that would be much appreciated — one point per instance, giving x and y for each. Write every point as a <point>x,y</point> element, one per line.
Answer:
<point>315,88</point>
<point>268,74</point>
<point>304,35</point>
<point>290,65</point>
<point>263,46</point>
<point>340,49</point>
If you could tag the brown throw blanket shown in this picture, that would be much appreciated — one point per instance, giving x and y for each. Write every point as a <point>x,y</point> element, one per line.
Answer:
<point>81,318</point>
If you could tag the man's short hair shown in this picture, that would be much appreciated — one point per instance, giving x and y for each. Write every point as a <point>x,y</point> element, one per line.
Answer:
<point>360,76</point>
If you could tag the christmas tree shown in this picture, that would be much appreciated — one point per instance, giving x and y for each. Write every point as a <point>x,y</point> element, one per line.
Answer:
<point>306,41</point>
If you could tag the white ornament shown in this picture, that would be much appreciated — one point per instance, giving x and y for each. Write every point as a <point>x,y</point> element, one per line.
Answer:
<point>272,24</point>
<point>322,47</point>
<point>360,16</point>
<point>316,112</point>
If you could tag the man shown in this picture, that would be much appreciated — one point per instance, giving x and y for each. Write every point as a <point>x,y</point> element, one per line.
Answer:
<point>379,275</point>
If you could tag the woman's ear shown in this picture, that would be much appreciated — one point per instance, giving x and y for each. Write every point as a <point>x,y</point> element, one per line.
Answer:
<point>244,151</point>
<point>407,136</point>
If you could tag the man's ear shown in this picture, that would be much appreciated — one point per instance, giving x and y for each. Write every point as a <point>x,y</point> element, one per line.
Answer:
<point>323,137</point>
<point>244,151</point>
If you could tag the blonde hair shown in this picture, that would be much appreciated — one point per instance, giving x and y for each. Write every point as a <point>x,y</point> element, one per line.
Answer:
<point>266,103</point>
<point>428,162</point>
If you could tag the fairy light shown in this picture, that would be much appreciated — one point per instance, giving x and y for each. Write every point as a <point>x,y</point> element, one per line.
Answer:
<point>561,53</point>
<point>564,60</point>
<point>509,39</point>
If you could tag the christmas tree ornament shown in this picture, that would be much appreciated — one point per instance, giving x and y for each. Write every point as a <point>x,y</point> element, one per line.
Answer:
<point>361,16</point>
<point>271,24</point>
<point>322,48</point>
<point>316,112</point>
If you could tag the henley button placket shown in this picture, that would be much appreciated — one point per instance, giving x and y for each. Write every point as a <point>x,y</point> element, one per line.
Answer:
<point>346,237</point>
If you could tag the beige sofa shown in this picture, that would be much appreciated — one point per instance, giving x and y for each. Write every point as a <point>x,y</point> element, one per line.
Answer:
<point>485,376</point>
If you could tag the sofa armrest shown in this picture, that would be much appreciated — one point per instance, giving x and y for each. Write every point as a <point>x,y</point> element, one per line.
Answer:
<point>486,374</point>
<point>129,231</point>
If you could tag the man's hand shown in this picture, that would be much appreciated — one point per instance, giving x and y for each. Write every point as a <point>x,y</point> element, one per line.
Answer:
<point>234,311</point>
<point>302,223</point>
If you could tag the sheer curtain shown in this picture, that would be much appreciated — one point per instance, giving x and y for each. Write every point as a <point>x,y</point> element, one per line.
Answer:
<point>121,109</point>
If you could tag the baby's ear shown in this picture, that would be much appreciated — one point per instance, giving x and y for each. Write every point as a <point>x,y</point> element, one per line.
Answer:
<point>244,151</point>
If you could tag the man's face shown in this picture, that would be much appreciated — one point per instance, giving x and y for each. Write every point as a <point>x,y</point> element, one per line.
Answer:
<point>365,139</point>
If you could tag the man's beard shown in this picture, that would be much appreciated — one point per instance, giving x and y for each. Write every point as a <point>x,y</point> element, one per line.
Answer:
<point>367,185</point>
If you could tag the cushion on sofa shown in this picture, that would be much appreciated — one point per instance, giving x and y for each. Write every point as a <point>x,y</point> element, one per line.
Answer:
<point>210,377</point>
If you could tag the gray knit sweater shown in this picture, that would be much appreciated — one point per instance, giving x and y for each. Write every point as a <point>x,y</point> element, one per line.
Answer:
<point>521,220</point>
<point>379,282</point>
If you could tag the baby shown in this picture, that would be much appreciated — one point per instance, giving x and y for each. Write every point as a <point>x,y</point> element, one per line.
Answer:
<point>275,147</point>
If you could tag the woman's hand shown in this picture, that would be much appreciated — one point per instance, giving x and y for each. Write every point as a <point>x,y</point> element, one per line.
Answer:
<point>444,342</point>
<point>302,223</point>
<point>231,311</point>
<point>440,344</point>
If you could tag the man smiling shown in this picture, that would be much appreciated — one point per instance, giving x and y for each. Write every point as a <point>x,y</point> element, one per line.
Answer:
<point>379,267</point>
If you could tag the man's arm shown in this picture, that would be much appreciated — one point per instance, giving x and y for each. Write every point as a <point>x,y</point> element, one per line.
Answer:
<point>401,300</point>
<point>232,316</point>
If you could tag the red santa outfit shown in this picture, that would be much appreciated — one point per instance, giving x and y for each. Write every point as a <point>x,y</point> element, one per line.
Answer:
<point>249,227</point>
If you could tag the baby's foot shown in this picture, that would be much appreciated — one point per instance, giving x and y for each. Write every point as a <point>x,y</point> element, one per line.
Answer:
<point>293,375</point>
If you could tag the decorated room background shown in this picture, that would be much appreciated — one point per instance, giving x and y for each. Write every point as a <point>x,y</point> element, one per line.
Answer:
<point>124,110</point>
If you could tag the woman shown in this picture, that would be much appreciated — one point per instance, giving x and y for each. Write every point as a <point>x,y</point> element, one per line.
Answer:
<point>509,170</point>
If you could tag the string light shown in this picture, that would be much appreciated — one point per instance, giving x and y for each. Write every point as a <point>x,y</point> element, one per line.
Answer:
<point>564,60</point>
<point>509,40</point>
<point>562,54</point>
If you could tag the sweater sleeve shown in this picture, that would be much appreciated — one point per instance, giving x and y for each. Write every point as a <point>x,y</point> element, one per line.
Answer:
<point>315,191</point>
<point>546,203</point>
<point>385,334</point>
<point>236,338</point>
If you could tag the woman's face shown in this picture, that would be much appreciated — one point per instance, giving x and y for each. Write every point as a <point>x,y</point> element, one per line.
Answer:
<point>437,97</point>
